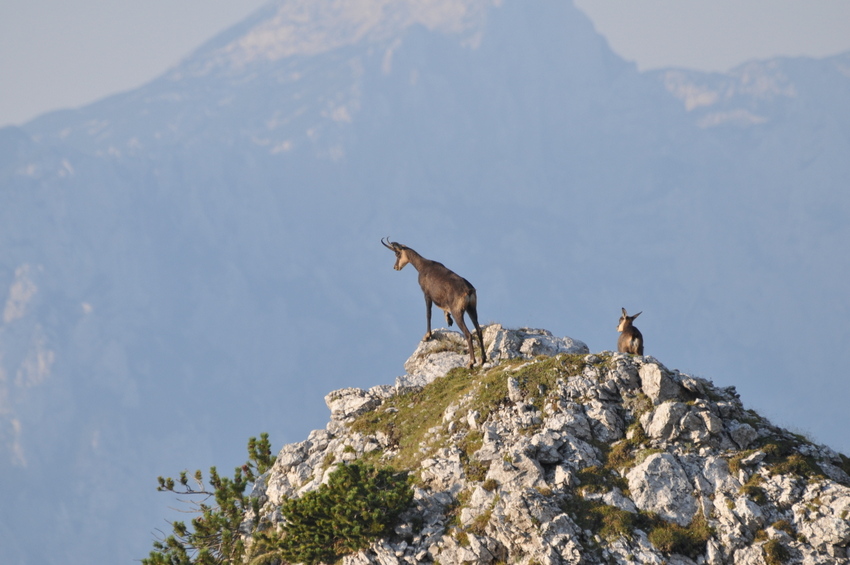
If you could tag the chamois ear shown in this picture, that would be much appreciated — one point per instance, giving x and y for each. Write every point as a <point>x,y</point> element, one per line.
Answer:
<point>638,314</point>
<point>624,312</point>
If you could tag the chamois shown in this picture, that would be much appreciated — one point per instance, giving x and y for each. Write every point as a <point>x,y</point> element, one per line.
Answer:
<point>448,290</point>
<point>630,340</point>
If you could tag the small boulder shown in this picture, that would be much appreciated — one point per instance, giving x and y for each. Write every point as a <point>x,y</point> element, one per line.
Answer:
<point>350,402</point>
<point>658,384</point>
<point>660,485</point>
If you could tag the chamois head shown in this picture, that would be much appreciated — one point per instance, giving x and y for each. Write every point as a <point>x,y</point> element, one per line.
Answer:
<point>630,340</point>
<point>626,320</point>
<point>400,251</point>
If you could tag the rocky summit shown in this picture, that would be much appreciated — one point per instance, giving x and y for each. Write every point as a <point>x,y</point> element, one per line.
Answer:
<point>551,454</point>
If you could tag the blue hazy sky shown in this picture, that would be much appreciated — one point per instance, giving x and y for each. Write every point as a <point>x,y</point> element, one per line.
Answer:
<point>66,53</point>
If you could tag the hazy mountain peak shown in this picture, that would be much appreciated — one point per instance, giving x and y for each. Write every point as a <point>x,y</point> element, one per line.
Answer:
<point>306,27</point>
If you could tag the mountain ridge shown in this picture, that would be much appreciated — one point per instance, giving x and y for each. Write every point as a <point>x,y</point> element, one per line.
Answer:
<point>519,460</point>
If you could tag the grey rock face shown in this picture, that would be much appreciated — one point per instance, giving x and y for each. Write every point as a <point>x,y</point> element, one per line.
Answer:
<point>350,402</point>
<point>660,485</point>
<point>566,438</point>
<point>446,350</point>
<point>658,384</point>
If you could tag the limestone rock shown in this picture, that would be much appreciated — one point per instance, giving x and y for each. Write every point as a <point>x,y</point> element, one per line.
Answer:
<point>658,384</point>
<point>350,402</point>
<point>660,485</point>
<point>527,343</point>
<point>823,515</point>
<point>447,350</point>
<point>510,481</point>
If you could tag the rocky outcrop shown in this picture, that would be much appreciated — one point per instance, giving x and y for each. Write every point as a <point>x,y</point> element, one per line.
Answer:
<point>446,350</point>
<point>549,454</point>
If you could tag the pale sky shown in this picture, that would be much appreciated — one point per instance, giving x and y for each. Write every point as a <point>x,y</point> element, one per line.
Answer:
<point>66,53</point>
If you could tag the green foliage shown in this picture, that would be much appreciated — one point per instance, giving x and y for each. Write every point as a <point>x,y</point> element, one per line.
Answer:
<point>609,522</point>
<point>783,458</point>
<point>735,462</point>
<point>626,453</point>
<point>406,418</point>
<point>612,523</point>
<point>673,538</point>
<point>796,464</point>
<point>753,491</point>
<point>619,456</point>
<point>357,505</point>
<point>214,537</point>
<point>474,469</point>
<point>594,479</point>
<point>784,526</point>
<point>490,485</point>
<point>775,553</point>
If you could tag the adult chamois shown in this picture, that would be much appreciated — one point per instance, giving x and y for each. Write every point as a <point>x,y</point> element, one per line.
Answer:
<point>448,290</point>
<point>630,340</point>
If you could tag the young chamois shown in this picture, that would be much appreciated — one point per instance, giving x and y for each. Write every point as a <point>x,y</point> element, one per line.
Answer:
<point>630,340</point>
<point>448,290</point>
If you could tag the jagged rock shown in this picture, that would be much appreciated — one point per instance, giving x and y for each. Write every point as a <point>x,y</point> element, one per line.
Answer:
<point>751,555</point>
<point>639,550</point>
<point>434,358</point>
<point>663,422</point>
<point>514,392</point>
<point>670,421</point>
<point>605,423</point>
<point>716,472</point>
<point>658,384</point>
<point>520,471</point>
<point>443,472</point>
<point>570,418</point>
<point>479,551</point>
<point>498,483</point>
<point>447,350</point>
<point>713,553</point>
<point>742,434</point>
<point>823,515</point>
<point>783,490</point>
<point>660,485</point>
<point>348,402</point>
<point>733,533</point>
<point>749,513</point>
<point>579,454</point>
<point>479,503</point>
<point>614,498</point>
<point>528,343</point>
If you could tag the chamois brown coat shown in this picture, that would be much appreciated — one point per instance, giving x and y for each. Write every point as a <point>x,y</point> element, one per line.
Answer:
<point>630,340</point>
<point>445,288</point>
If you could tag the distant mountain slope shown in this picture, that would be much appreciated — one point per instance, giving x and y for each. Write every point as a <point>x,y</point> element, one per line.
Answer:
<point>192,262</point>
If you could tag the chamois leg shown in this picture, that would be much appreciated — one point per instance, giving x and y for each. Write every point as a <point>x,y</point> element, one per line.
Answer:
<point>428,302</point>
<point>472,311</point>
<point>468,336</point>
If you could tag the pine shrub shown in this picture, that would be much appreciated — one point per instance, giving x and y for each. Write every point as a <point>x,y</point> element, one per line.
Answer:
<point>214,537</point>
<point>357,505</point>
